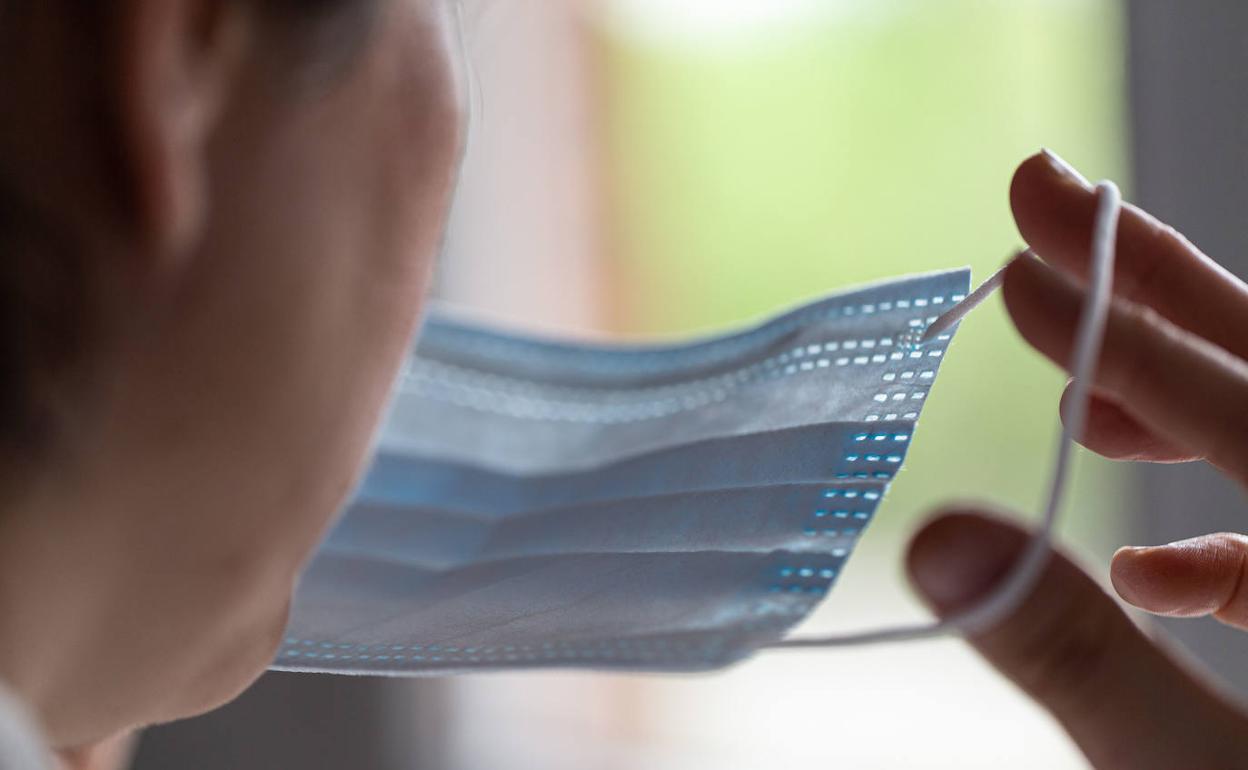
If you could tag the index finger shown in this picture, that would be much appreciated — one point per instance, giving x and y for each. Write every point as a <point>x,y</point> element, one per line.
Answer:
<point>1054,208</point>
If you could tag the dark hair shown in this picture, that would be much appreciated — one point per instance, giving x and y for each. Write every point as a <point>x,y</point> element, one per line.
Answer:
<point>43,307</point>
<point>43,277</point>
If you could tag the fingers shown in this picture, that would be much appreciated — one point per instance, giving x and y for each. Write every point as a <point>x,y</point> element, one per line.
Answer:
<point>1184,389</point>
<point>1124,701</point>
<point>1112,432</point>
<point>1191,578</point>
<point>1157,267</point>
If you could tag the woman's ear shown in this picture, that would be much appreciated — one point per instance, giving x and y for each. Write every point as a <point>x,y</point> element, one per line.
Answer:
<point>177,64</point>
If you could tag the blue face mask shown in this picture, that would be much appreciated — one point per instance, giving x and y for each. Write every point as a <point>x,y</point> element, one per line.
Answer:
<point>663,508</point>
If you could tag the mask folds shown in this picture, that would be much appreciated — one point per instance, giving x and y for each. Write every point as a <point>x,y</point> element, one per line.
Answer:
<point>673,508</point>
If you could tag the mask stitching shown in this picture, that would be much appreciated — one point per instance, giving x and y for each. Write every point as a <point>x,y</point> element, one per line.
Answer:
<point>871,448</point>
<point>495,346</point>
<point>452,375</point>
<point>530,407</point>
<point>639,650</point>
<point>1020,581</point>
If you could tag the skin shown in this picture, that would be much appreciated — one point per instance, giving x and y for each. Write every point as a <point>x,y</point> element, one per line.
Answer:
<point>1172,386</point>
<point>258,236</point>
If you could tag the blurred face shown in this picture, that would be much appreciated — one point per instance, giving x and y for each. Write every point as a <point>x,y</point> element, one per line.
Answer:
<point>236,410</point>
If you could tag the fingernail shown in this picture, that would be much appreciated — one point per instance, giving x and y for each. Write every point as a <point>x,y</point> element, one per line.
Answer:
<point>1062,167</point>
<point>1127,576</point>
<point>958,559</point>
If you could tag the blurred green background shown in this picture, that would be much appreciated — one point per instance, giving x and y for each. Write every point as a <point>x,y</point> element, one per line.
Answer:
<point>753,171</point>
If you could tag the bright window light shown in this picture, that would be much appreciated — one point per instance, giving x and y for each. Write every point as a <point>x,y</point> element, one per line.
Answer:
<point>726,21</point>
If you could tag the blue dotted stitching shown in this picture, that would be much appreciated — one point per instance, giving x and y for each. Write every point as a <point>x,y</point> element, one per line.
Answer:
<point>645,650</point>
<point>488,398</point>
<point>539,353</point>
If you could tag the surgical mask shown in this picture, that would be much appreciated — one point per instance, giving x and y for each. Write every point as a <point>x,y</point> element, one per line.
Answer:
<point>537,503</point>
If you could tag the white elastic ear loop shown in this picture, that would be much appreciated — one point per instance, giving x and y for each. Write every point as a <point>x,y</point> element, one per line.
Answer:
<point>1017,586</point>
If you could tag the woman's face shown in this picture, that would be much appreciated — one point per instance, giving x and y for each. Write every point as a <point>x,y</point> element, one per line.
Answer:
<point>245,402</point>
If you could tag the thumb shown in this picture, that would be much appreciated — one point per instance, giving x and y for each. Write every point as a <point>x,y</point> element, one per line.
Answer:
<point>1070,647</point>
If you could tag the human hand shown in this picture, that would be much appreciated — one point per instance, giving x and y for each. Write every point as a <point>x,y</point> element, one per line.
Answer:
<point>1171,386</point>
<point>1122,697</point>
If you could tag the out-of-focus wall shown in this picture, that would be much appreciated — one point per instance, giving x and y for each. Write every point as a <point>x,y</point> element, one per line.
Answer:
<point>1189,96</point>
<point>525,238</point>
